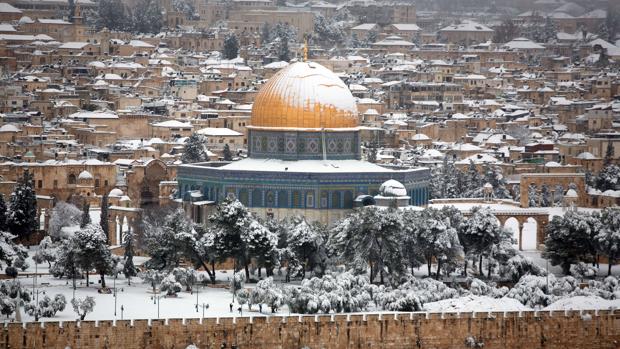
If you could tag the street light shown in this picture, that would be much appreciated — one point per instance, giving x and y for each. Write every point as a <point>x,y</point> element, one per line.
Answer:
<point>115,295</point>
<point>156,301</point>
<point>122,309</point>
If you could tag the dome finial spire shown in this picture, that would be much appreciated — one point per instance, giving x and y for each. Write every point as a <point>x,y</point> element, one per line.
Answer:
<point>305,49</point>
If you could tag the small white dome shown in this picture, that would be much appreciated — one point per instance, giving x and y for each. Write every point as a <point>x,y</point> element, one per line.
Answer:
<point>85,175</point>
<point>571,193</point>
<point>487,185</point>
<point>125,198</point>
<point>420,137</point>
<point>392,188</point>
<point>116,192</point>
<point>553,164</point>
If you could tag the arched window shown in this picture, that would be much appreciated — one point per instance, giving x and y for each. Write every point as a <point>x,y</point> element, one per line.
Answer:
<point>336,199</point>
<point>296,199</point>
<point>71,179</point>
<point>257,198</point>
<point>309,199</point>
<point>283,199</point>
<point>244,197</point>
<point>348,199</point>
<point>270,199</point>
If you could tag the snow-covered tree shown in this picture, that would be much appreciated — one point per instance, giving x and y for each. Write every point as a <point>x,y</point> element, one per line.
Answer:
<point>267,292</point>
<point>238,235</point>
<point>308,245</point>
<point>371,237</point>
<point>227,154</point>
<point>103,217</point>
<point>445,180</point>
<point>66,264</point>
<point>195,149</point>
<point>412,294</point>
<point>9,250</point>
<point>152,277</point>
<point>186,7</point>
<point>187,277</point>
<point>608,178</point>
<point>608,238</point>
<point>335,293</point>
<point>85,220</point>
<point>237,282</point>
<point>111,14</point>
<point>170,285</point>
<point>92,251</point>
<point>472,181</point>
<point>22,220</point>
<point>46,252</point>
<point>518,266</point>
<point>3,214</point>
<point>129,269</point>
<point>479,234</point>
<point>243,297</point>
<point>231,46</point>
<point>147,17</point>
<point>63,215</point>
<point>328,32</point>
<point>83,306</point>
<point>47,306</point>
<point>437,239</point>
<point>571,238</point>
<point>12,296</point>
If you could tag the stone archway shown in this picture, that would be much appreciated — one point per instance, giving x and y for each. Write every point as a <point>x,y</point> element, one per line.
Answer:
<point>553,181</point>
<point>154,172</point>
<point>121,219</point>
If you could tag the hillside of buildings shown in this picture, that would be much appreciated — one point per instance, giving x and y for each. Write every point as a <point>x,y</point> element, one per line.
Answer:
<point>191,159</point>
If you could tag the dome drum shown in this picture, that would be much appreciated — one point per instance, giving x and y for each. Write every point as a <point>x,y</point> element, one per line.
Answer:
<point>304,145</point>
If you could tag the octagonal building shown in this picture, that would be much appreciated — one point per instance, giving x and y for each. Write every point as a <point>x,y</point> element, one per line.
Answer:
<point>304,155</point>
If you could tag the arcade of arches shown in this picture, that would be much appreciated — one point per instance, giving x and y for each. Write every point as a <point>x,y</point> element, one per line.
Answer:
<point>552,185</point>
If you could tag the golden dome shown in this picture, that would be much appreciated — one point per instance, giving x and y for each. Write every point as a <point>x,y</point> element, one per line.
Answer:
<point>304,95</point>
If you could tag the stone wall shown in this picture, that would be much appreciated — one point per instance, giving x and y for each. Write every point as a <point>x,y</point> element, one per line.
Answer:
<point>404,330</point>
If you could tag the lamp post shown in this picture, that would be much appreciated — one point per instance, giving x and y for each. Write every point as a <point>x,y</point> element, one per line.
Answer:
<point>197,290</point>
<point>156,301</point>
<point>122,309</point>
<point>114,295</point>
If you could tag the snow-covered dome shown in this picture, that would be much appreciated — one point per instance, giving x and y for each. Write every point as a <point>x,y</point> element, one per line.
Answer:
<point>116,193</point>
<point>304,95</point>
<point>25,20</point>
<point>586,156</point>
<point>487,185</point>
<point>420,137</point>
<point>85,175</point>
<point>571,193</point>
<point>553,164</point>
<point>392,188</point>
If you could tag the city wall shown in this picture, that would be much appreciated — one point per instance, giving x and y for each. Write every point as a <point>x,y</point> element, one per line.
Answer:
<point>589,329</point>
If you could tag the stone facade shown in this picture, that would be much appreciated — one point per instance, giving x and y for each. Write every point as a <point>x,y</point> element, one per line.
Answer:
<point>512,330</point>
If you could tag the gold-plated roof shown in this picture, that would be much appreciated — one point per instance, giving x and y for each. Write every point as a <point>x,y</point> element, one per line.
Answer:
<point>304,95</point>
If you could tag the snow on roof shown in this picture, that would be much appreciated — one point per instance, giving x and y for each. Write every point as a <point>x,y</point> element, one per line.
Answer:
<point>218,131</point>
<point>481,158</point>
<point>467,26</point>
<point>140,43</point>
<point>553,164</point>
<point>406,26</point>
<point>365,26</point>
<point>18,37</point>
<point>8,8</point>
<point>73,45</point>
<point>306,166</point>
<point>173,123</point>
<point>276,65</point>
<point>53,21</point>
<point>522,44</point>
<point>93,115</point>
<point>5,27</point>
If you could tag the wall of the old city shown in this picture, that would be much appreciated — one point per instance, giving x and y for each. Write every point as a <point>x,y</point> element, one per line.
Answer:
<point>489,330</point>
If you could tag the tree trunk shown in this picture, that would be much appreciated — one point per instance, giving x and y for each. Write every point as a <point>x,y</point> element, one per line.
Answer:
<point>212,276</point>
<point>259,272</point>
<point>102,280</point>
<point>609,263</point>
<point>87,282</point>
<point>465,266</point>
<point>428,266</point>
<point>247,272</point>
<point>489,269</point>
<point>480,266</point>
<point>438,269</point>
